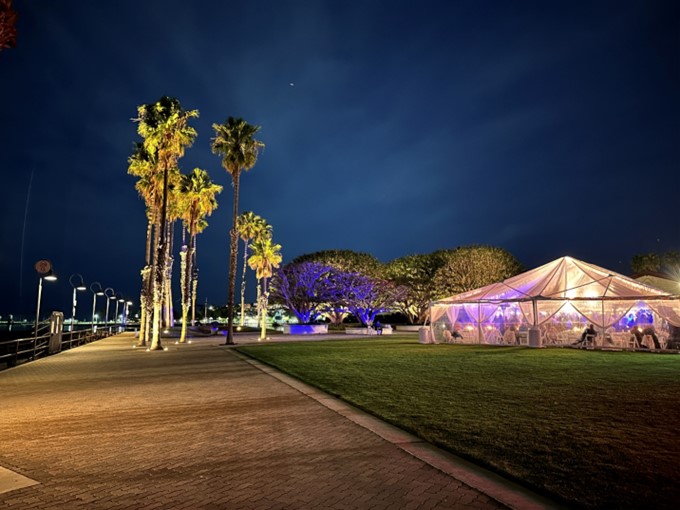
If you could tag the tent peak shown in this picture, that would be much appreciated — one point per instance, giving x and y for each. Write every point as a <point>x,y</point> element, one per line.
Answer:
<point>563,278</point>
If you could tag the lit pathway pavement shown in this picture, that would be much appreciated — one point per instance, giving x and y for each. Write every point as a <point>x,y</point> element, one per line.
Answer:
<point>105,426</point>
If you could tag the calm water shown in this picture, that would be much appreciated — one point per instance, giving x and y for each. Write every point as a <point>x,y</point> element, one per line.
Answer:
<point>18,330</point>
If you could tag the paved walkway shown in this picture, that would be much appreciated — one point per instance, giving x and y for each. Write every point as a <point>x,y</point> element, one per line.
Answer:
<point>106,426</point>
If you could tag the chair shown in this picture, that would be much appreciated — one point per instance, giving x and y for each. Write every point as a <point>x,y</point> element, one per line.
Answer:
<point>550,336</point>
<point>590,339</point>
<point>631,342</point>
<point>448,337</point>
<point>509,337</point>
<point>624,340</point>
<point>493,337</point>
<point>469,336</point>
<point>564,337</point>
<point>663,341</point>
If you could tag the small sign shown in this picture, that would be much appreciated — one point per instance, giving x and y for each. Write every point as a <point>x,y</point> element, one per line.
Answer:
<point>43,266</point>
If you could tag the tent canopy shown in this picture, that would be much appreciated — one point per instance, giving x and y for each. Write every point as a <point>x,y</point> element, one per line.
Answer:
<point>564,278</point>
<point>564,294</point>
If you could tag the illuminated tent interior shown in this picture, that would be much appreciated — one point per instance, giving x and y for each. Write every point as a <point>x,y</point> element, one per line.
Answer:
<point>552,305</point>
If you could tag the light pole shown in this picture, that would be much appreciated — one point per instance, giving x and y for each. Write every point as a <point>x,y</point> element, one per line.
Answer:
<point>78,285</point>
<point>108,298</point>
<point>125,312</point>
<point>119,299</point>
<point>50,277</point>
<point>96,289</point>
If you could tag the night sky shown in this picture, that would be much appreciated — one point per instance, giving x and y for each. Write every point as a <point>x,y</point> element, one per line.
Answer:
<point>391,127</point>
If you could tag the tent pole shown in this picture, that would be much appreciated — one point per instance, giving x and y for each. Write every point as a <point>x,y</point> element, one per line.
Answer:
<point>534,338</point>
<point>603,322</point>
<point>479,322</point>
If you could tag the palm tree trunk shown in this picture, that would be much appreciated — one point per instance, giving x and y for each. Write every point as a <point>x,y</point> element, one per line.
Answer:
<point>186,257</point>
<point>159,273</point>
<point>145,275</point>
<point>263,332</point>
<point>233,253</point>
<point>243,283</point>
<point>184,288</point>
<point>167,287</point>
<point>144,300</point>
<point>194,287</point>
<point>151,279</point>
<point>259,304</point>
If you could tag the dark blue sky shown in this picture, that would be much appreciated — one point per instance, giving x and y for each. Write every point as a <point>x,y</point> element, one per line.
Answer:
<point>546,128</point>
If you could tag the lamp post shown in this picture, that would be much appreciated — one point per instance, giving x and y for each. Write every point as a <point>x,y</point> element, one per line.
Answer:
<point>78,285</point>
<point>50,277</point>
<point>125,312</point>
<point>96,289</point>
<point>109,297</point>
<point>119,299</point>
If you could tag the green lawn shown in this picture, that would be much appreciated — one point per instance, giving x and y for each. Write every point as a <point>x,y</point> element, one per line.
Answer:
<point>596,429</point>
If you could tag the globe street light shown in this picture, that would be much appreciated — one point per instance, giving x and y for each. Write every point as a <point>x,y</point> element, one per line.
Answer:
<point>76,281</point>
<point>96,289</point>
<point>109,297</point>
<point>50,277</point>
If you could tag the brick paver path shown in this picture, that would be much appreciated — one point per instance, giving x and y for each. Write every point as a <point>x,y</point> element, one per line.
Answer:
<point>106,426</point>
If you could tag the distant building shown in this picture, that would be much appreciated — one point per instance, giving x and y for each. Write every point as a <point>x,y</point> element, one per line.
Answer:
<point>659,280</point>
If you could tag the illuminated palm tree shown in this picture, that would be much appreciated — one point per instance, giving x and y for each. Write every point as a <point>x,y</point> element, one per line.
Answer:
<point>164,129</point>
<point>197,194</point>
<point>143,164</point>
<point>234,141</point>
<point>265,258</point>
<point>249,226</point>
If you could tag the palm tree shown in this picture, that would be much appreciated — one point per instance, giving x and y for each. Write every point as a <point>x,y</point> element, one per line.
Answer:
<point>143,164</point>
<point>265,258</point>
<point>234,141</point>
<point>249,226</point>
<point>163,126</point>
<point>197,194</point>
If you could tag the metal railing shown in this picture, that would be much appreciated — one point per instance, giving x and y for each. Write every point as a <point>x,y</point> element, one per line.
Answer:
<point>37,346</point>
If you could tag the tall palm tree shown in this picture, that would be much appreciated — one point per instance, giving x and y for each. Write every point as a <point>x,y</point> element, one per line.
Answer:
<point>164,129</point>
<point>235,142</point>
<point>265,258</point>
<point>249,226</point>
<point>143,164</point>
<point>197,194</point>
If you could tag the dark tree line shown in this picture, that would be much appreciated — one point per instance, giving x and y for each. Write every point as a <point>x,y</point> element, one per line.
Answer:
<point>668,262</point>
<point>338,283</point>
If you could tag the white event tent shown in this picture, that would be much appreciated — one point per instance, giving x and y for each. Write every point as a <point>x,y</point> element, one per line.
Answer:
<point>552,304</point>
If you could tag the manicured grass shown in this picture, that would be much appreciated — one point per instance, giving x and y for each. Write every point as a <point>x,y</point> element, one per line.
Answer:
<point>595,429</point>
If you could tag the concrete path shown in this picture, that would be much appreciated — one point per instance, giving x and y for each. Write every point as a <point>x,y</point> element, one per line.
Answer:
<point>106,426</point>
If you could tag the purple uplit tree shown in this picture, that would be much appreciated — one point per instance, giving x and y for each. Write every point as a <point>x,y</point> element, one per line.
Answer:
<point>304,288</point>
<point>363,296</point>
